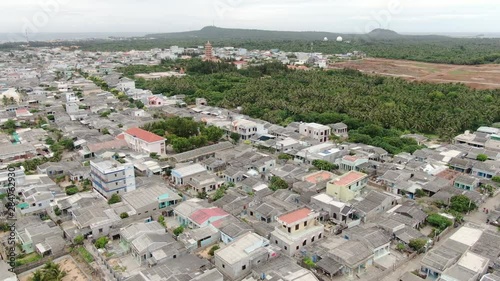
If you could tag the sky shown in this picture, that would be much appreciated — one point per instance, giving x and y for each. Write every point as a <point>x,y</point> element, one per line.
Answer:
<point>155,16</point>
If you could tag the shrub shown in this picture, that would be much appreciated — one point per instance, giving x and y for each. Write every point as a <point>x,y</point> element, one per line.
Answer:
<point>101,242</point>
<point>213,249</point>
<point>400,246</point>
<point>461,204</point>
<point>78,240</point>
<point>179,230</point>
<point>115,198</point>
<point>418,244</point>
<point>438,221</point>
<point>420,193</point>
<point>482,157</point>
<point>123,215</point>
<point>309,262</point>
<point>71,190</point>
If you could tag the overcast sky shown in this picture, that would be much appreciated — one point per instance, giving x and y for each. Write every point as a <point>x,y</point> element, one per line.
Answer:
<point>357,16</point>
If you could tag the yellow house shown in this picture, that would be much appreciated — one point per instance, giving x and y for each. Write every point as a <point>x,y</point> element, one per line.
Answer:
<point>348,186</point>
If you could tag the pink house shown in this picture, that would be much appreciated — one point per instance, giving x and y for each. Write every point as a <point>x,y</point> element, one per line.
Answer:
<point>204,217</point>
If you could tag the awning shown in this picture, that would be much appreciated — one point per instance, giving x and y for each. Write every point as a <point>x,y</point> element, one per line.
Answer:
<point>328,265</point>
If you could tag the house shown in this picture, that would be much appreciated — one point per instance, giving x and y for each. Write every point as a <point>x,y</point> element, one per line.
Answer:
<point>96,220</point>
<point>203,237</point>
<point>186,267</point>
<point>348,186</point>
<point>375,238</point>
<point>151,198</point>
<point>339,129</point>
<point>412,211</point>
<point>144,141</point>
<point>131,232</point>
<point>351,163</point>
<point>470,267</point>
<point>206,216</point>
<point>354,256</point>
<point>231,228</point>
<point>43,237</point>
<point>281,268</point>
<point>184,175</point>
<point>150,246</point>
<point>112,177</point>
<point>373,204</point>
<point>125,84</point>
<point>487,169</point>
<point>297,229</point>
<point>440,258</point>
<point>237,259</point>
<point>466,182</point>
<point>338,212</point>
<point>12,152</point>
<point>315,131</point>
<point>247,129</point>
<point>460,165</point>
<point>205,183</point>
<point>35,198</point>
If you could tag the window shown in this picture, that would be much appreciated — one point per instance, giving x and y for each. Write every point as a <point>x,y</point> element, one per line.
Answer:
<point>286,248</point>
<point>304,243</point>
<point>312,239</point>
<point>223,266</point>
<point>276,241</point>
<point>116,175</point>
<point>100,230</point>
<point>244,267</point>
<point>175,256</point>
<point>319,236</point>
<point>251,214</point>
<point>289,230</point>
<point>297,227</point>
<point>305,223</point>
<point>33,205</point>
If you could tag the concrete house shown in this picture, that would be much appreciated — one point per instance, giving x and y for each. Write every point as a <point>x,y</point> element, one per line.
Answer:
<point>315,131</point>
<point>144,141</point>
<point>297,229</point>
<point>43,237</point>
<point>339,129</point>
<point>487,169</point>
<point>112,177</point>
<point>338,212</point>
<point>237,259</point>
<point>134,230</point>
<point>466,182</point>
<point>183,175</point>
<point>348,186</point>
<point>352,163</point>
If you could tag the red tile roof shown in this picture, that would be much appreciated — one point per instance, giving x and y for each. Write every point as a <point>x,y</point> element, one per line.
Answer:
<point>201,216</point>
<point>349,178</point>
<point>296,215</point>
<point>143,135</point>
<point>350,158</point>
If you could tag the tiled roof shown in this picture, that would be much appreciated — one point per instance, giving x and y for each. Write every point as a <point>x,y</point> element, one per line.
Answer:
<point>144,135</point>
<point>349,178</point>
<point>201,216</point>
<point>295,215</point>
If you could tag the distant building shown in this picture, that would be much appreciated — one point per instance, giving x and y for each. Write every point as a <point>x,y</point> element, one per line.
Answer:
<point>315,131</point>
<point>111,177</point>
<point>209,53</point>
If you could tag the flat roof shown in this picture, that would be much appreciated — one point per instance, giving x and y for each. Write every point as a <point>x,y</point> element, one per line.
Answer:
<point>348,178</point>
<point>295,216</point>
<point>467,235</point>
<point>189,170</point>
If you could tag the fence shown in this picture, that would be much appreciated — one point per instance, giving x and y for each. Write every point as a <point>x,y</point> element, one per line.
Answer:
<point>380,275</point>
<point>30,266</point>
<point>108,270</point>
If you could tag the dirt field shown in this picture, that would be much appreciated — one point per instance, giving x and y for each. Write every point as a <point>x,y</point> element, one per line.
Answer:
<point>479,77</point>
<point>67,264</point>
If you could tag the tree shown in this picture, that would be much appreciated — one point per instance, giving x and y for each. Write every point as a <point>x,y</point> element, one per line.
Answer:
<point>418,244</point>
<point>213,134</point>
<point>71,190</point>
<point>161,220</point>
<point>496,179</point>
<point>309,262</point>
<point>10,126</point>
<point>235,137</point>
<point>105,131</point>
<point>400,247</point>
<point>178,230</point>
<point>461,204</point>
<point>202,195</point>
<point>213,249</point>
<point>284,156</point>
<point>124,215</point>
<point>324,165</point>
<point>49,272</point>
<point>439,221</point>
<point>101,242</point>
<point>181,144</point>
<point>219,193</point>
<point>420,193</point>
<point>78,240</point>
<point>277,183</point>
<point>115,198</point>
<point>154,155</point>
<point>482,157</point>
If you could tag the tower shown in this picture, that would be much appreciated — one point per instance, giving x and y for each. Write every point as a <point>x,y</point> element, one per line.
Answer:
<point>208,51</point>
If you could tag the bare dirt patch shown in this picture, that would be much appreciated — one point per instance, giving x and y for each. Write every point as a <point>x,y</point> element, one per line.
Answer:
<point>73,273</point>
<point>475,76</point>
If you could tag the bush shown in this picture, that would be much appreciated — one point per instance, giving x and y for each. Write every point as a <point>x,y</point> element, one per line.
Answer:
<point>161,220</point>
<point>57,211</point>
<point>71,190</point>
<point>101,242</point>
<point>418,244</point>
<point>308,262</point>
<point>284,156</point>
<point>85,254</point>
<point>115,198</point>
<point>179,230</point>
<point>461,204</point>
<point>324,165</point>
<point>400,247</point>
<point>123,215</point>
<point>78,240</point>
<point>278,183</point>
<point>438,221</point>
<point>420,193</point>
<point>482,157</point>
<point>213,249</point>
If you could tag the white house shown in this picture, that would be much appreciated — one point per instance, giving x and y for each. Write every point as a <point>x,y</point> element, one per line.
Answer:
<point>315,131</point>
<point>110,177</point>
<point>144,141</point>
<point>186,174</point>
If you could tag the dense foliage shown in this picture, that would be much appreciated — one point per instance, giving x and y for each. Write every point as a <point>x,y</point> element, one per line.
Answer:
<point>324,165</point>
<point>49,272</point>
<point>115,198</point>
<point>277,183</point>
<point>417,244</point>
<point>461,204</point>
<point>101,242</point>
<point>438,221</point>
<point>376,109</point>
<point>185,134</point>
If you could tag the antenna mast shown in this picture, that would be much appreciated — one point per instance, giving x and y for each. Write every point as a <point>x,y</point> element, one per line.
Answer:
<point>27,38</point>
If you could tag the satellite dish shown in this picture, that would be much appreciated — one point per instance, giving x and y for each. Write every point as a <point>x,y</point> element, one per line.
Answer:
<point>339,39</point>
<point>325,39</point>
